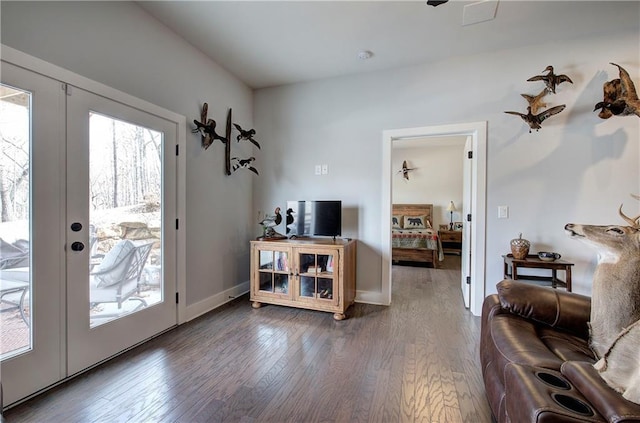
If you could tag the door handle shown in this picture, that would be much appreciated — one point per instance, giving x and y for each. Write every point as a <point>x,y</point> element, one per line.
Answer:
<point>76,226</point>
<point>77,246</point>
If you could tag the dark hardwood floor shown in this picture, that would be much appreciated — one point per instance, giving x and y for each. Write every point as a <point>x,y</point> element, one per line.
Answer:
<point>416,360</point>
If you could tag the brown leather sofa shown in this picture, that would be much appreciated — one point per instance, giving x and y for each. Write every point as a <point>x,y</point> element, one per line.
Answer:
<point>536,362</point>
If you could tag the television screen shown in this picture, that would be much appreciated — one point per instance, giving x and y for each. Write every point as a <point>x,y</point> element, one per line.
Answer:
<point>314,218</point>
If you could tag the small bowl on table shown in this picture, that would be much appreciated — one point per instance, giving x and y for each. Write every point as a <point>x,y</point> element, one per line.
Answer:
<point>548,256</point>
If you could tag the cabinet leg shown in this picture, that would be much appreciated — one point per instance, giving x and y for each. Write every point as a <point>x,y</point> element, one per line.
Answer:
<point>256,304</point>
<point>339,316</point>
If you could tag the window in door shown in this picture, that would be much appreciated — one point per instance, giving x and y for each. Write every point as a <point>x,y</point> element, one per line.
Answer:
<point>15,283</point>
<point>125,191</point>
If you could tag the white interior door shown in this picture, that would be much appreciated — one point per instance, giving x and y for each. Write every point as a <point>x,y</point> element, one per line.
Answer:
<point>120,229</point>
<point>467,201</point>
<point>32,255</point>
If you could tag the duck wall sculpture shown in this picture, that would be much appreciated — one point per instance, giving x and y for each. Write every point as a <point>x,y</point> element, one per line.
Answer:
<point>207,129</point>
<point>611,91</point>
<point>405,170</point>
<point>535,121</point>
<point>535,101</point>
<point>620,97</point>
<point>551,80</point>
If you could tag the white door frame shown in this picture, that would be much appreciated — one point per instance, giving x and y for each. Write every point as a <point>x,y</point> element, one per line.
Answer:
<point>465,253</point>
<point>478,133</point>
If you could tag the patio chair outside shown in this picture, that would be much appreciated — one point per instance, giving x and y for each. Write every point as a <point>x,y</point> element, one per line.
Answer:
<point>14,255</point>
<point>116,279</point>
<point>14,275</point>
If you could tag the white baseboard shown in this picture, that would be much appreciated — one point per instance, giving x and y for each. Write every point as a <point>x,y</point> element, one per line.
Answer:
<point>215,301</point>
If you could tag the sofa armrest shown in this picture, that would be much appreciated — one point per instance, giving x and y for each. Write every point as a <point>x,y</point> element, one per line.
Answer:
<point>561,310</point>
<point>610,404</point>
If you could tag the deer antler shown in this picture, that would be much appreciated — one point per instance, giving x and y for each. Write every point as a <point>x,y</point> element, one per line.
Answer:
<point>634,222</point>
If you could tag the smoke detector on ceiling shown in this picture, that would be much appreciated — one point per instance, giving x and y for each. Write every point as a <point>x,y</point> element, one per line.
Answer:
<point>365,54</point>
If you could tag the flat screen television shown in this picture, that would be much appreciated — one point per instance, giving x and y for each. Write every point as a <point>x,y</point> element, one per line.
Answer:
<point>314,218</point>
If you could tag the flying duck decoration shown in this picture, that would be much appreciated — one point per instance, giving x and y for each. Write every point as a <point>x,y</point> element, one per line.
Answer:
<point>532,117</point>
<point>535,121</point>
<point>535,101</point>
<point>246,135</point>
<point>611,90</point>
<point>405,170</point>
<point>244,164</point>
<point>206,127</point>
<point>551,80</point>
<point>620,98</point>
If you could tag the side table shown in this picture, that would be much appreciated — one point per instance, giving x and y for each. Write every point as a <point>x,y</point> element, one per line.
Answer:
<point>511,266</point>
<point>451,241</point>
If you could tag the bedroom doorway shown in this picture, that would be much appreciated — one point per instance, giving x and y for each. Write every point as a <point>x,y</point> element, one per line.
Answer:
<point>438,173</point>
<point>473,202</point>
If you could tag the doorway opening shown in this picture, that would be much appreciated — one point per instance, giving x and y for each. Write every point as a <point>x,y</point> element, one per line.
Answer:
<point>476,132</point>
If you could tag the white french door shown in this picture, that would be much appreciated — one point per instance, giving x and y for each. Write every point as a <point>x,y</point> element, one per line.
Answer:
<point>97,206</point>
<point>32,129</point>
<point>121,190</point>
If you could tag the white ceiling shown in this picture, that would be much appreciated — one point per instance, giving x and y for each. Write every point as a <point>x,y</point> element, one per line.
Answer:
<point>269,43</point>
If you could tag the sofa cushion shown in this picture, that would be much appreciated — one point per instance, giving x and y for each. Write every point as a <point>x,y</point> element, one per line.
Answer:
<point>516,340</point>
<point>566,346</point>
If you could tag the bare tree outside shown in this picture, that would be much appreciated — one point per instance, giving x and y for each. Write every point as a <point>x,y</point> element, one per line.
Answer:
<point>14,154</point>
<point>125,166</point>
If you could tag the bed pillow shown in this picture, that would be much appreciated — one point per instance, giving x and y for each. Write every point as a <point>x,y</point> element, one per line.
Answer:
<point>416,222</point>
<point>396,221</point>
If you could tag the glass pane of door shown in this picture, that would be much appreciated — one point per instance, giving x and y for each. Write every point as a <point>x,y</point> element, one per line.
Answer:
<point>15,262</point>
<point>125,191</point>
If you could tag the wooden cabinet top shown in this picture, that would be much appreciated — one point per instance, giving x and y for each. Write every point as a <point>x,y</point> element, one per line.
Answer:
<point>312,242</point>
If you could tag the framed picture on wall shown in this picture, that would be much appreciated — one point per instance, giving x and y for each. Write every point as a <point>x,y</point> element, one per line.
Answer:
<point>457,226</point>
<point>443,227</point>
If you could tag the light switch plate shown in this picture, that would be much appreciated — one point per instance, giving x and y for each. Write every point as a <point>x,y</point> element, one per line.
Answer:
<point>503,212</point>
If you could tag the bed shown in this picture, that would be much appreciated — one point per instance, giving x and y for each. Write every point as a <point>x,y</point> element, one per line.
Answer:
<point>412,237</point>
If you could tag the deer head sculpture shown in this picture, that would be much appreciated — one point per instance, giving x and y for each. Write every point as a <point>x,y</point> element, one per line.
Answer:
<point>615,297</point>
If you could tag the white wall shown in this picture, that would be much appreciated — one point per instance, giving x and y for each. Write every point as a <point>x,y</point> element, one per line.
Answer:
<point>578,168</point>
<point>120,45</point>
<point>437,178</point>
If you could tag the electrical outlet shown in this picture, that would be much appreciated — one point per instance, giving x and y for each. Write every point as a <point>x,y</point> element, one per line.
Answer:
<point>325,169</point>
<point>503,212</point>
<point>318,170</point>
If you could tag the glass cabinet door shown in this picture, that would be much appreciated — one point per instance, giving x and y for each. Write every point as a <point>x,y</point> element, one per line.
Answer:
<point>317,276</point>
<point>273,272</point>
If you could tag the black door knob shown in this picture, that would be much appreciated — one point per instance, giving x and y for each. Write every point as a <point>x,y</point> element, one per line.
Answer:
<point>77,246</point>
<point>76,226</point>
